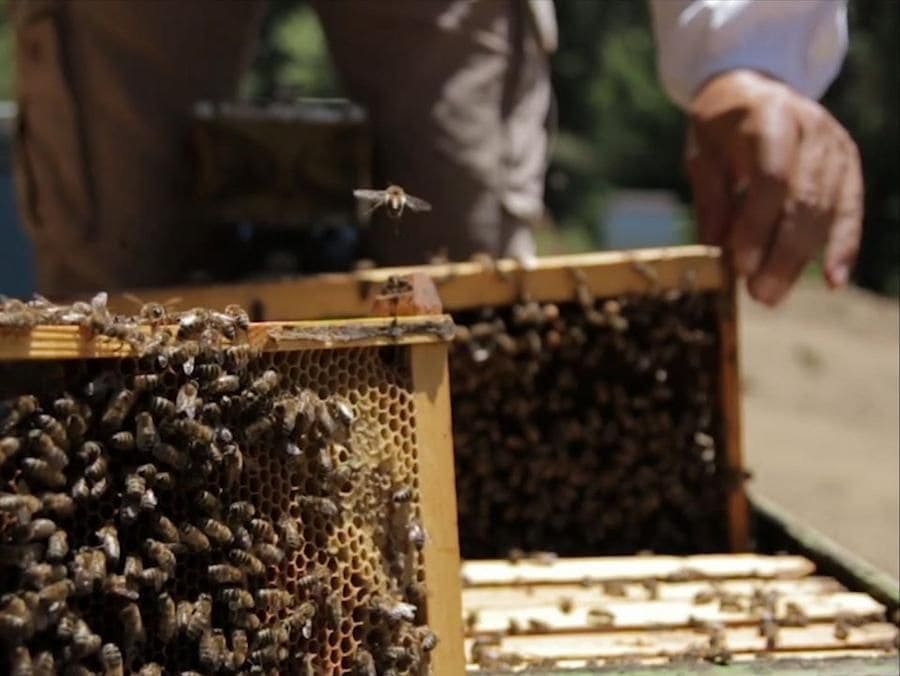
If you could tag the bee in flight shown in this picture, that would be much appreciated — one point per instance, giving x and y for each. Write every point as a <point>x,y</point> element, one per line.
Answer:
<point>394,199</point>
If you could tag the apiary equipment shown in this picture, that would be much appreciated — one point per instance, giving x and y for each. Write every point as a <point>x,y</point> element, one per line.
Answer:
<point>364,526</point>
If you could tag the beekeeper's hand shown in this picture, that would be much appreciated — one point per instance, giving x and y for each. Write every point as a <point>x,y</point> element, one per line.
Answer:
<point>776,179</point>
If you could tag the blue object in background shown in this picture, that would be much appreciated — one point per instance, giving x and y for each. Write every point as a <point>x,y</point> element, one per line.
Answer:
<point>16,258</point>
<point>635,219</point>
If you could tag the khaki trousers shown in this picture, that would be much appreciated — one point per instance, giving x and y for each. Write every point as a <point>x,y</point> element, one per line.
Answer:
<point>457,92</point>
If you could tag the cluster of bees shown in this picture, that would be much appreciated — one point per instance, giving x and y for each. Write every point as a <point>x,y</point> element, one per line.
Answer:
<point>590,427</point>
<point>196,510</point>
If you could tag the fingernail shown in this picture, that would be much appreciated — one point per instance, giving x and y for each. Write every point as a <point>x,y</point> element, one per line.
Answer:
<point>748,261</point>
<point>840,275</point>
<point>770,289</point>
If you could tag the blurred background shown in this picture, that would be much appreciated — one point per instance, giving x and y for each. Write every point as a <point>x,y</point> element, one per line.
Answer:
<point>820,373</point>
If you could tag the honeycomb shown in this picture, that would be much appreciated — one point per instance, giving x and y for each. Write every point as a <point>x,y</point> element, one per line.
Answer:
<point>590,427</point>
<point>303,533</point>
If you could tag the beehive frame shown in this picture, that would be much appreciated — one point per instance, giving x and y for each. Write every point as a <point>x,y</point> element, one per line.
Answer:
<point>422,343</point>
<point>466,285</point>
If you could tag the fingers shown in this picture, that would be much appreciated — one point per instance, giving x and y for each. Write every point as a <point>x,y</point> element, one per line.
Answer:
<point>711,193</point>
<point>802,225</point>
<point>846,228</point>
<point>762,159</point>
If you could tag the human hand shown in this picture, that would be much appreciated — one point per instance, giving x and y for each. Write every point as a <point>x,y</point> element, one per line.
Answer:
<point>776,180</point>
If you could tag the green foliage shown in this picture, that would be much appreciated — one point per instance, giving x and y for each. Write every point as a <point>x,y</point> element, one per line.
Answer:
<point>7,91</point>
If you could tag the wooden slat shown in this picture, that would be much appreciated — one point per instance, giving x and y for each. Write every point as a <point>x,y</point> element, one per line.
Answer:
<point>652,615</point>
<point>461,285</point>
<point>431,387</point>
<point>638,644</point>
<point>574,570</point>
<point>516,596</point>
<point>730,403</point>
<point>72,342</point>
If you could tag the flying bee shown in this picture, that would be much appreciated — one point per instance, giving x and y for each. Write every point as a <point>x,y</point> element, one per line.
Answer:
<point>394,199</point>
<point>123,441</point>
<point>145,434</point>
<point>57,504</point>
<point>162,408</point>
<point>161,554</point>
<point>43,472</point>
<point>118,409</point>
<point>262,529</point>
<point>169,455</point>
<point>240,511</point>
<point>200,617</point>
<point>240,648</point>
<point>109,543</point>
<point>111,659</point>
<point>217,531</point>
<point>247,562</point>
<point>213,650</point>
<point>57,546</point>
<point>47,449</point>
<point>187,400</point>
<point>237,598</point>
<point>290,534</point>
<point>165,611</point>
<point>269,553</point>
<point>132,627</point>
<point>224,573</point>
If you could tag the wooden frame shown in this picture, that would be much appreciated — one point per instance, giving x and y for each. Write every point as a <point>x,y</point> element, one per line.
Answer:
<point>467,285</point>
<point>427,338</point>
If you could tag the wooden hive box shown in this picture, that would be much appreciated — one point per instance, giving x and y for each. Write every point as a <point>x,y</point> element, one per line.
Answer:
<point>353,488</point>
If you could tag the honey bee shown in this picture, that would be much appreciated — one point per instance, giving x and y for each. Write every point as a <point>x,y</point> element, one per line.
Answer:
<point>207,371</point>
<point>123,441</point>
<point>84,642</point>
<point>76,428</point>
<point>165,529</point>
<point>56,592</point>
<point>268,657</point>
<point>90,451</point>
<point>244,619</point>
<point>150,669</point>
<point>16,623</point>
<point>290,533</point>
<point>120,587</point>
<point>99,488</point>
<point>146,382</point>
<point>269,553</point>
<point>109,543</point>
<point>183,612</point>
<point>88,568</point>
<point>154,577</point>
<point>394,200</point>
<point>200,617</point>
<point>240,648</point>
<point>162,408</point>
<point>197,432</point>
<point>240,511</point>
<point>167,623</point>
<point>275,634</point>
<point>25,505</point>
<point>118,409</point>
<point>171,456</point>
<point>273,599</point>
<point>223,573</point>
<point>209,503</point>
<point>325,506</point>
<point>133,631</point>
<point>133,568</point>
<point>225,384</point>
<point>111,659</point>
<point>416,534</point>
<point>47,449</point>
<point>193,538</point>
<point>217,531</point>
<point>145,434</point>
<point>402,495</point>
<point>9,448</point>
<point>54,429</point>
<point>242,538</point>
<point>161,554</point>
<point>365,663</point>
<point>58,504</point>
<point>43,472</point>
<point>38,575</point>
<point>187,400</point>
<point>213,650</point>
<point>57,546</point>
<point>394,611</point>
<point>44,664</point>
<point>237,598</point>
<point>262,529</point>
<point>164,481</point>
<point>247,562</point>
<point>427,638</point>
<point>15,411</point>
<point>20,662</point>
<point>259,429</point>
<point>98,469</point>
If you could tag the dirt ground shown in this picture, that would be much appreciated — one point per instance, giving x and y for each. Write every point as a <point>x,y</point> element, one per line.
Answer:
<point>822,413</point>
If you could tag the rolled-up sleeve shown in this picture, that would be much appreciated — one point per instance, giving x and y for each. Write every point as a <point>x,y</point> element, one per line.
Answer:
<point>800,42</point>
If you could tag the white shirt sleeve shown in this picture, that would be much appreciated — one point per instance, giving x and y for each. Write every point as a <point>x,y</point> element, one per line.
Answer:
<point>800,42</point>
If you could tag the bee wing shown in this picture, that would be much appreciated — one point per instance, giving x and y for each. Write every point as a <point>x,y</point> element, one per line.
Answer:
<point>375,198</point>
<point>417,204</point>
